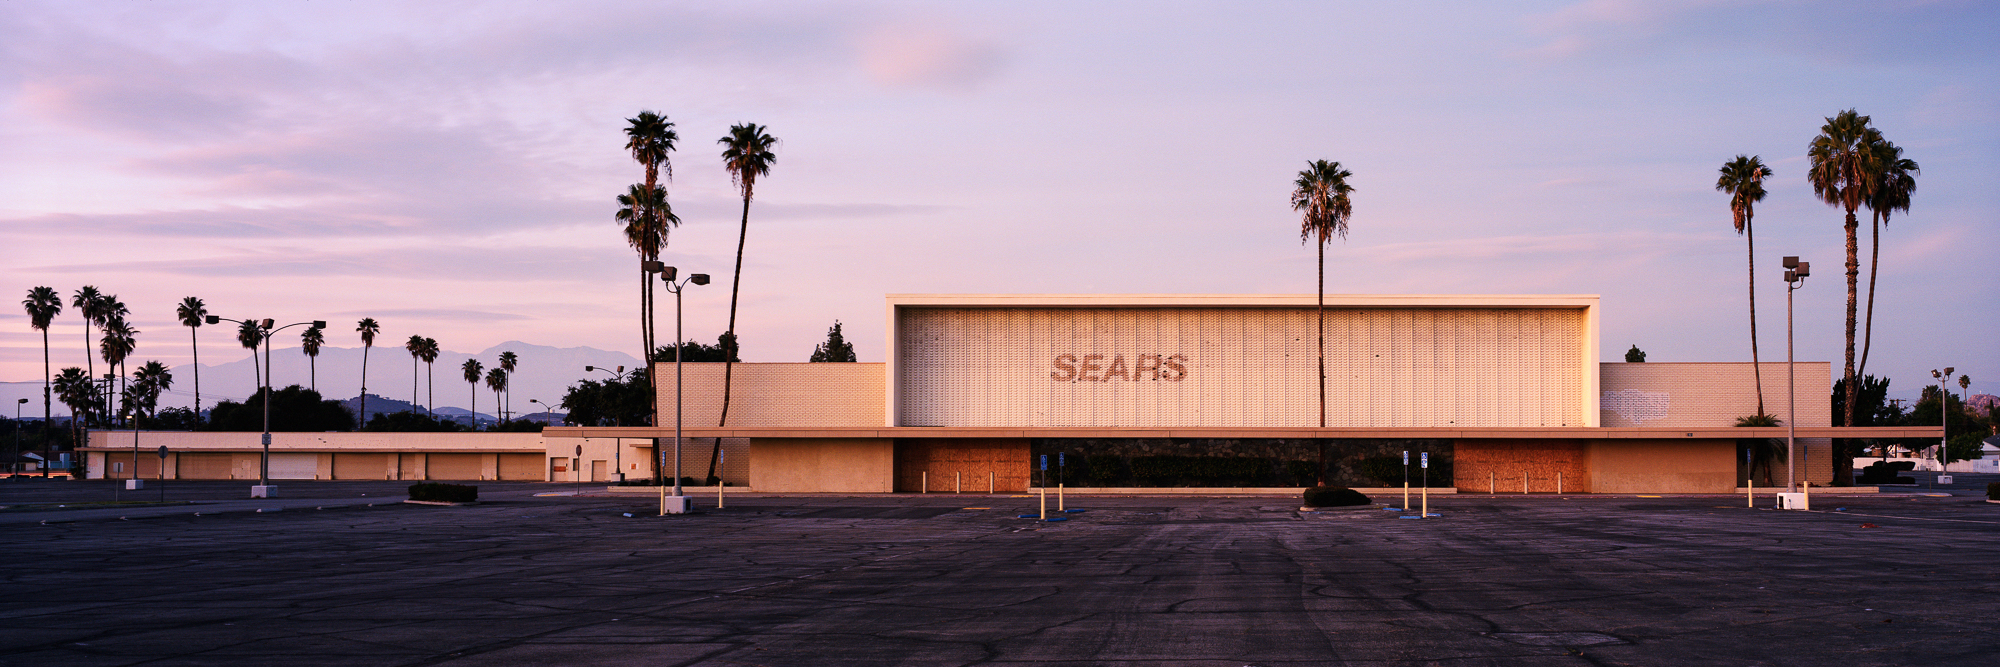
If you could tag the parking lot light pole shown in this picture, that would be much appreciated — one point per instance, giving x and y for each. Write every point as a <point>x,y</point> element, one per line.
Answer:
<point>266,329</point>
<point>1944,417</point>
<point>14,462</point>
<point>1795,277</point>
<point>667,275</point>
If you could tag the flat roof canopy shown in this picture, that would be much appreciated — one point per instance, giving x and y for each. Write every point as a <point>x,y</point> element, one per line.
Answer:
<point>1575,433</point>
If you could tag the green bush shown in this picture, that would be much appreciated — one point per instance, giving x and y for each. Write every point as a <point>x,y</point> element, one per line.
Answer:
<point>1884,472</point>
<point>444,493</point>
<point>1334,496</point>
<point>1993,490</point>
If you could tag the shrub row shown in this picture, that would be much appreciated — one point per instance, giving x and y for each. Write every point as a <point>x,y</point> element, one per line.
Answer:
<point>444,493</point>
<point>1884,472</point>
<point>1334,496</point>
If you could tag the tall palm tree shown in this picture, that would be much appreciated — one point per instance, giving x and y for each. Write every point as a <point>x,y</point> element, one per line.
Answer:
<point>1322,196</point>
<point>192,312</point>
<point>472,369</point>
<point>1743,180</point>
<point>508,360</point>
<point>1840,165</point>
<point>109,308</point>
<point>747,152</point>
<point>309,343</point>
<point>43,305</point>
<point>368,328</point>
<point>430,354</point>
<point>120,338</point>
<point>415,346</point>
<point>89,303</point>
<point>496,380</point>
<point>249,336</point>
<point>1896,182</point>
<point>651,138</point>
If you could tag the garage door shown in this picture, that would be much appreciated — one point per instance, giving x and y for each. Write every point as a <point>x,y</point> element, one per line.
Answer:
<point>294,466</point>
<point>454,466</point>
<point>204,466</point>
<point>526,467</point>
<point>360,466</point>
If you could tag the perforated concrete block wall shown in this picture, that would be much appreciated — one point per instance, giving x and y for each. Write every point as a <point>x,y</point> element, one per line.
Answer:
<point>1716,394</point>
<point>1249,366</point>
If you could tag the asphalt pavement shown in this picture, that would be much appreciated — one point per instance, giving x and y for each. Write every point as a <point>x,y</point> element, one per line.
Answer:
<point>1905,578</point>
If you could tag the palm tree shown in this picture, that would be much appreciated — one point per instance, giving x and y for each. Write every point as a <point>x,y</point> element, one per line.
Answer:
<point>430,354</point>
<point>148,382</point>
<point>89,303</point>
<point>1762,451</point>
<point>415,345</point>
<point>1321,194</point>
<point>309,343</point>
<point>1743,180</point>
<point>507,362</point>
<point>77,390</point>
<point>1840,166</point>
<point>747,154</point>
<point>43,305</point>
<point>192,313</point>
<point>472,369</point>
<point>249,336</point>
<point>496,380</point>
<point>368,328</point>
<point>1897,180</point>
<point>120,338</point>
<point>651,138</point>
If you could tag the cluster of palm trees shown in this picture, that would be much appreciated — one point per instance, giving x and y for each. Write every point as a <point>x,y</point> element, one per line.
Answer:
<point>138,392</point>
<point>748,151</point>
<point>496,380</point>
<point>1850,166</point>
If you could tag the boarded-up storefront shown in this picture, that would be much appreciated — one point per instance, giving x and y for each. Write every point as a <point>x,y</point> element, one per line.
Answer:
<point>521,467</point>
<point>361,466</point>
<point>970,465</point>
<point>454,466</point>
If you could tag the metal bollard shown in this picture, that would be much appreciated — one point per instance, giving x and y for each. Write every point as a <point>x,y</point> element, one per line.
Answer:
<point>1524,482</point>
<point>958,482</point>
<point>925,483</point>
<point>1491,480</point>
<point>989,483</point>
<point>1750,493</point>
<point>1559,483</point>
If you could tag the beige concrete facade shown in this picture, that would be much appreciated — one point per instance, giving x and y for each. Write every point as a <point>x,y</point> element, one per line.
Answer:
<point>337,456</point>
<point>835,465</point>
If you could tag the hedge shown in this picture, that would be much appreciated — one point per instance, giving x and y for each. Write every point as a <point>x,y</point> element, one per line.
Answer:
<point>1334,496</point>
<point>444,493</point>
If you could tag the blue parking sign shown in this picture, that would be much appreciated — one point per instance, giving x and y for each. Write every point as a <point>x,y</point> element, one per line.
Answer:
<point>1426,459</point>
<point>1045,463</point>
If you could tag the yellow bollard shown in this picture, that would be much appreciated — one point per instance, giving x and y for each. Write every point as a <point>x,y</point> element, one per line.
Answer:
<point>1045,502</point>
<point>989,483</point>
<point>1406,492</point>
<point>1491,480</point>
<point>958,482</point>
<point>1559,483</point>
<point>1426,495</point>
<point>1524,482</point>
<point>925,483</point>
<point>1059,496</point>
<point>1750,493</point>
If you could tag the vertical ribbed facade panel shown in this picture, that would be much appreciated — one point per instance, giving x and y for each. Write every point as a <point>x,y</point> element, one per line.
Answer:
<point>1253,367</point>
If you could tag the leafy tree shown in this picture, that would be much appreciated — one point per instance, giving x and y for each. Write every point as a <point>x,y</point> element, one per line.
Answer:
<point>309,343</point>
<point>293,408</point>
<point>697,352</point>
<point>1874,409</point>
<point>836,348</point>
<point>412,422</point>
<point>471,371</point>
<point>1743,180</point>
<point>43,305</point>
<point>367,327</point>
<point>192,312</point>
<point>79,391</point>
<point>518,426</point>
<point>172,419</point>
<point>1638,356</point>
<point>1841,171</point>
<point>1896,181</point>
<point>1956,419</point>
<point>609,402</point>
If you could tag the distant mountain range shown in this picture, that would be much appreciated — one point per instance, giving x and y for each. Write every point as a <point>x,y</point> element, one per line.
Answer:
<point>543,373</point>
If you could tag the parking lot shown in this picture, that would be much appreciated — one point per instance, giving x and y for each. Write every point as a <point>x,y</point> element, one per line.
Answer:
<point>326,575</point>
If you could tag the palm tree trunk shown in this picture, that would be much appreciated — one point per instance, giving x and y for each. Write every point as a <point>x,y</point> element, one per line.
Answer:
<point>729,352</point>
<point>364,386</point>
<point>1843,462</point>
<point>312,370</point>
<point>1322,360</point>
<point>430,389</point>
<point>413,381</point>
<point>48,412</point>
<point>1756,370</point>
<point>475,406</point>
<point>1874,266</point>
<point>194,344</point>
<point>646,357</point>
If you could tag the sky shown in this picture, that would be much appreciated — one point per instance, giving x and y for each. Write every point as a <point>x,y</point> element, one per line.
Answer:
<point>450,168</point>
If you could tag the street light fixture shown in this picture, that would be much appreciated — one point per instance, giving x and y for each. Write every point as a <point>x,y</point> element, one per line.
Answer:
<point>667,275</point>
<point>1795,277</point>
<point>266,328</point>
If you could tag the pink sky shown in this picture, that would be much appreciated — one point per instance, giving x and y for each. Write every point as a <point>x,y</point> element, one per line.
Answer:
<point>449,169</point>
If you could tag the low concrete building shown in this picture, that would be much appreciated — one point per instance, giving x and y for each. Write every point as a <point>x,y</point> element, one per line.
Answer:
<point>1509,387</point>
